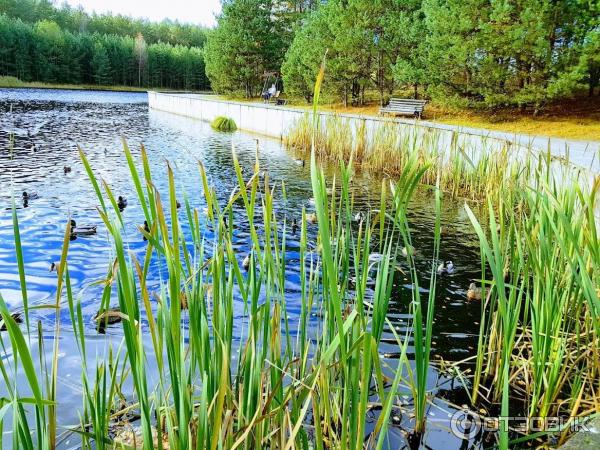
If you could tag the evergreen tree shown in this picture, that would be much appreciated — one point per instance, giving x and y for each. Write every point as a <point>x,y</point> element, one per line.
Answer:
<point>505,53</point>
<point>100,65</point>
<point>244,45</point>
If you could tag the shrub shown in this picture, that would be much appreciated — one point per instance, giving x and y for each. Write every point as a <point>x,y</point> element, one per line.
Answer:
<point>224,124</point>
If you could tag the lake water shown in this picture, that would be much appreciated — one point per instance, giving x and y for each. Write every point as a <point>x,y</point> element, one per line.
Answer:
<point>56,121</point>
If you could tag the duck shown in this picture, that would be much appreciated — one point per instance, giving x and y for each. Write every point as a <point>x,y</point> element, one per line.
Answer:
<point>376,257</point>
<point>108,316</point>
<point>29,196</point>
<point>359,216</point>
<point>177,204</point>
<point>15,316</point>
<point>122,203</point>
<point>311,218</point>
<point>67,169</point>
<point>54,266</point>
<point>474,292</point>
<point>32,148</point>
<point>246,262</point>
<point>84,230</point>
<point>447,267</point>
<point>146,228</point>
<point>294,226</point>
<point>300,162</point>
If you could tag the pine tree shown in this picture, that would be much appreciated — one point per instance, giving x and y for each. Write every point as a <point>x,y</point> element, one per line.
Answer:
<point>100,65</point>
<point>244,45</point>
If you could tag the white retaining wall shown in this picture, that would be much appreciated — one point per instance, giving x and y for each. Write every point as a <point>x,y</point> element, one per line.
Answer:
<point>276,121</point>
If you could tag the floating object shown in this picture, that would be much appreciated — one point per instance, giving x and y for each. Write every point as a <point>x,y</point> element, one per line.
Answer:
<point>409,250</point>
<point>246,262</point>
<point>474,292</point>
<point>311,218</point>
<point>122,203</point>
<point>67,169</point>
<point>84,230</point>
<point>15,316</point>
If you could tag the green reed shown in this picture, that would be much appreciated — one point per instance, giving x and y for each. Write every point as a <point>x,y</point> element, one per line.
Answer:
<point>539,323</point>
<point>264,388</point>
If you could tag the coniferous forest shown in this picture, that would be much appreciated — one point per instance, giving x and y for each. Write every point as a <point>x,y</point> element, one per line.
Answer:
<point>470,52</point>
<point>43,43</point>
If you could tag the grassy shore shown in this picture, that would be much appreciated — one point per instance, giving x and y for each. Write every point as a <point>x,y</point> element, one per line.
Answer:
<point>12,82</point>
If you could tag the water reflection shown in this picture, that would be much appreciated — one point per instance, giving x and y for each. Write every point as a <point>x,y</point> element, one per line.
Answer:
<point>40,131</point>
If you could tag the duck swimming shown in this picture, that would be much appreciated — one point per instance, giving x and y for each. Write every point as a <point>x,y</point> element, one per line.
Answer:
<point>108,316</point>
<point>246,262</point>
<point>311,218</point>
<point>32,148</point>
<point>146,228</point>
<point>447,267</point>
<point>122,203</point>
<point>474,292</point>
<point>54,266</point>
<point>359,216</point>
<point>66,169</point>
<point>15,316</point>
<point>84,230</point>
<point>29,196</point>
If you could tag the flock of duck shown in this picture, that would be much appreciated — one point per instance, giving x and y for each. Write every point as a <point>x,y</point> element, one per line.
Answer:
<point>113,315</point>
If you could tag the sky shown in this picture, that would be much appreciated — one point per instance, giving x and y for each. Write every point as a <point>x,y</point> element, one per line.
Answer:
<point>190,11</point>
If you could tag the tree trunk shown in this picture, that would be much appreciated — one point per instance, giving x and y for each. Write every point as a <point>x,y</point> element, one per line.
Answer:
<point>416,95</point>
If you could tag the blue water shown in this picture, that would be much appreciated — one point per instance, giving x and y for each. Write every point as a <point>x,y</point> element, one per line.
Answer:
<point>56,122</point>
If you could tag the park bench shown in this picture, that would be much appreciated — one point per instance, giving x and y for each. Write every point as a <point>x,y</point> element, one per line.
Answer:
<point>404,106</point>
<point>278,101</point>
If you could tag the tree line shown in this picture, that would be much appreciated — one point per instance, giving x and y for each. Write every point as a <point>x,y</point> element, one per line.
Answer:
<point>76,20</point>
<point>470,52</point>
<point>39,49</point>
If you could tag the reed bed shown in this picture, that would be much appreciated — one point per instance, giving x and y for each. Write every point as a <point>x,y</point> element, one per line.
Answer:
<point>313,388</point>
<point>266,388</point>
<point>464,169</point>
<point>537,222</point>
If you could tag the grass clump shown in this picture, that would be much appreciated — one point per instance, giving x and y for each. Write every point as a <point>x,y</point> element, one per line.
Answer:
<point>8,81</point>
<point>222,123</point>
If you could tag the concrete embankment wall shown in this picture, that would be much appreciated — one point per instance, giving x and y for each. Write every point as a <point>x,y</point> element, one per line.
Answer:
<point>277,121</point>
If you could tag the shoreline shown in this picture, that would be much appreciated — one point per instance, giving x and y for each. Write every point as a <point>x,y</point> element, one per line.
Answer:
<point>91,87</point>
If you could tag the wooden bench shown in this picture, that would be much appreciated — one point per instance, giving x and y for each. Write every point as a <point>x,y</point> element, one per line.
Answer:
<point>404,106</point>
<point>278,101</point>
